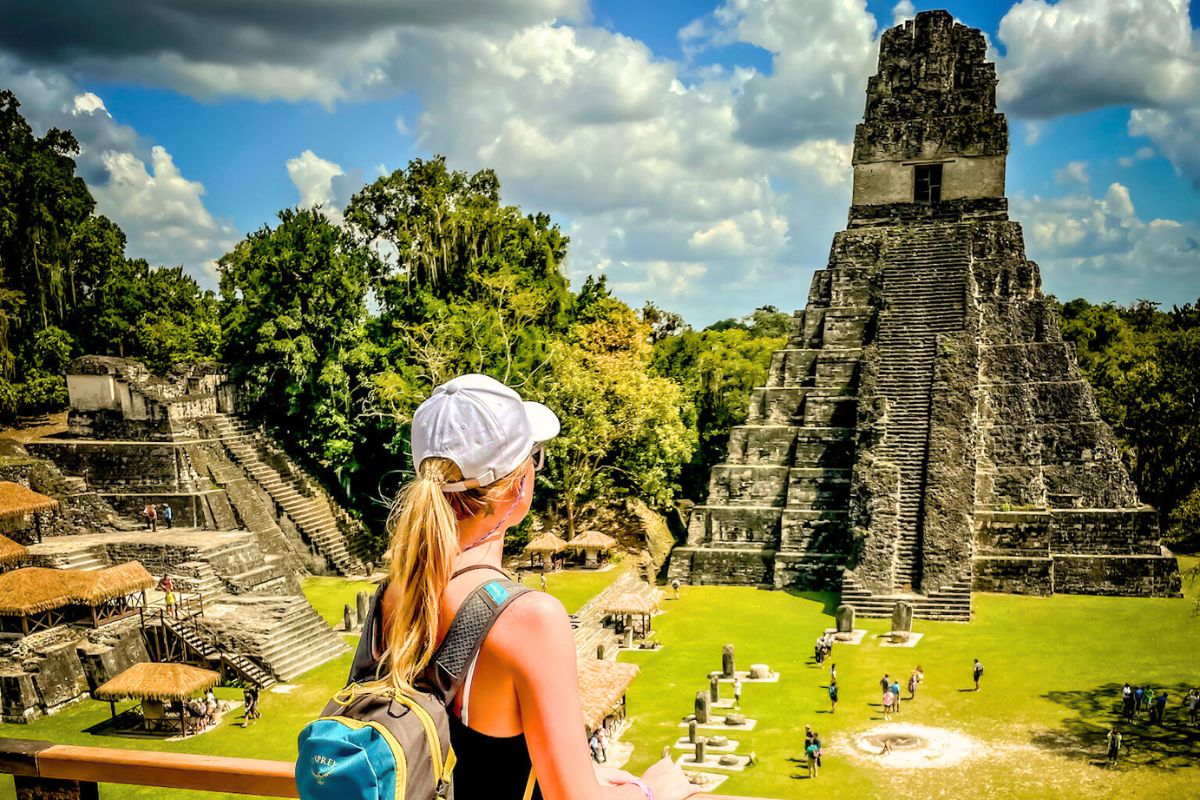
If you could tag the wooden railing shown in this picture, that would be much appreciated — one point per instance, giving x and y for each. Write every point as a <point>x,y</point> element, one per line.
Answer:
<point>48,771</point>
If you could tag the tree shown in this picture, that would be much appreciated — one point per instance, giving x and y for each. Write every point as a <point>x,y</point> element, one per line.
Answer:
<point>293,303</point>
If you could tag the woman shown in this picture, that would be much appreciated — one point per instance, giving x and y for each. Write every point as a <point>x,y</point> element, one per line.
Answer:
<point>476,447</point>
<point>889,700</point>
<point>833,695</point>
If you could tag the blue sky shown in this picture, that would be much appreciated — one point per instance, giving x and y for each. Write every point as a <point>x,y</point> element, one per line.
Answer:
<point>697,152</point>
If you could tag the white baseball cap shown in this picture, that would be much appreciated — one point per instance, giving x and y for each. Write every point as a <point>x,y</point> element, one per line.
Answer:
<point>482,426</point>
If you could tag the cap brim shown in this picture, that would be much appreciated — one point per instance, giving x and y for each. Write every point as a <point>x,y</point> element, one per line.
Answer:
<point>542,421</point>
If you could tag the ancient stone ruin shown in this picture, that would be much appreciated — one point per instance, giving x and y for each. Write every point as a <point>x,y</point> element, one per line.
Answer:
<point>247,523</point>
<point>927,431</point>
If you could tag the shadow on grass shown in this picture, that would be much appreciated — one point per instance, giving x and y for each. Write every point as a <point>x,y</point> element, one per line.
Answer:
<point>1171,745</point>
<point>828,600</point>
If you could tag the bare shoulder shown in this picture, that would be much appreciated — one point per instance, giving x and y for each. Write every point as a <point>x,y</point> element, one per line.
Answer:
<point>535,624</point>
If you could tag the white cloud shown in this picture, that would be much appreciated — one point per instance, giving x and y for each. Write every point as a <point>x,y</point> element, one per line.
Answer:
<point>88,103</point>
<point>313,177</point>
<point>161,211</point>
<point>1099,248</point>
<point>903,11</point>
<point>1142,154</point>
<point>1079,55</point>
<point>1073,172</point>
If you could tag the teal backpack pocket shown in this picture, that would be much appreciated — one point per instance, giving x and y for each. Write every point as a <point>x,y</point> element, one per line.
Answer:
<point>348,759</point>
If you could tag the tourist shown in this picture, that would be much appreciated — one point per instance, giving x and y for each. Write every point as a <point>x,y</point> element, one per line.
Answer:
<point>817,741</point>
<point>447,528</point>
<point>603,736</point>
<point>246,706</point>
<point>895,689</point>
<point>737,692</point>
<point>168,515</point>
<point>920,673</point>
<point>811,750</point>
<point>885,682</point>
<point>1193,706</point>
<point>1160,706</point>
<point>889,700</point>
<point>1148,702</point>
<point>977,673</point>
<point>675,587</point>
<point>169,599</point>
<point>151,517</point>
<point>1114,746</point>
<point>1127,702</point>
<point>912,685</point>
<point>819,650</point>
<point>833,695</point>
<point>832,671</point>
<point>210,706</point>
<point>1139,697</point>
<point>594,743</point>
<point>255,708</point>
<point>543,581</point>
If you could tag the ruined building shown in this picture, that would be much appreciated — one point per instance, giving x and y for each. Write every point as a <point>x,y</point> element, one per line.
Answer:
<point>926,431</point>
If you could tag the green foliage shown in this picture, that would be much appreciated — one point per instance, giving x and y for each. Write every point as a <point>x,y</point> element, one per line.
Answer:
<point>1144,365</point>
<point>718,368</point>
<point>293,300</point>
<point>68,287</point>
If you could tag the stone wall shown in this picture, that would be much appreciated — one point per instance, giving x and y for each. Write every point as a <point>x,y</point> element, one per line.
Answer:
<point>189,509</point>
<point>119,466</point>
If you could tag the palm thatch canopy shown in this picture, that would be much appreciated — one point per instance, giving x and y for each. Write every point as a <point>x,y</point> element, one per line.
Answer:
<point>545,543</point>
<point>11,552</point>
<point>638,604</point>
<point>592,540</point>
<point>154,681</point>
<point>602,685</point>
<point>31,590</point>
<point>17,501</point>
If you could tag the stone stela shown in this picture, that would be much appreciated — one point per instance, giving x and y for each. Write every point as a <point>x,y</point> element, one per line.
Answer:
<point>926,432</point>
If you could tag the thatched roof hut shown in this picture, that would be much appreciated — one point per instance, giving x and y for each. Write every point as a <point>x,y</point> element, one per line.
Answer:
<point>592,540</point>
<point>602,687</point>
<point>31,590</point>
<point>632,604</point>
<point>17,501</point>
<point>11,552</point>
<point>545,543</point>
<point>150,680</point>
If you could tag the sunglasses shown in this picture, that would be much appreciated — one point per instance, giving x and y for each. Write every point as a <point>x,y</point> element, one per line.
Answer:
<point>538,454</point>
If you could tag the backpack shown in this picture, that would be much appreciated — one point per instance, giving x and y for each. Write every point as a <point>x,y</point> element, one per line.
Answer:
<point>389,745</point>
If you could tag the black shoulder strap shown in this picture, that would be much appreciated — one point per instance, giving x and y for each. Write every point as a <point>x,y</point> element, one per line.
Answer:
<point>475,618</point>
<point>447,669</point>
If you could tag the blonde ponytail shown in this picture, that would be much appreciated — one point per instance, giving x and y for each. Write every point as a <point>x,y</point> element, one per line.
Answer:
<point>424,528</point>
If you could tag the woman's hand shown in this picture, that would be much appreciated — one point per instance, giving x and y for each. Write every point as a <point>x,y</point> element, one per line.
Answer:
<point>611,776</point>
<point>666,779</point>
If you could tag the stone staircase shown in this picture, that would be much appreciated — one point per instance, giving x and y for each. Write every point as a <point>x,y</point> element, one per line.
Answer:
<point>200,642</point>
<point>925,287</point>
<point>311,511</point>
<point>197,577</point>
<point>302,640</point>
<point>952,604</point>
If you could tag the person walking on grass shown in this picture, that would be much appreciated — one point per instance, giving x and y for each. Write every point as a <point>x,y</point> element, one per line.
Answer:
<point>675,587</point>
<point>889,700</point>
<point>977,673</point>
<point>1114,746</point>
<point>1160,706</point>
<point>912,686</point>
<point>833,695</point>
<point>543,581</point>
<point>737,692</point>
<point>895,689</point>
<point>1139,698</point>
<point>1127,702</point>
<point>1148,703</point>
<point>1193,706</point>
<point>832,671</point>
<point>885,682</point>
<point>812,750</point>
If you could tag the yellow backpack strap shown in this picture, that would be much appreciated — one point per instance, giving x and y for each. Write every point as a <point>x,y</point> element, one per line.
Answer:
<point>529,785</point>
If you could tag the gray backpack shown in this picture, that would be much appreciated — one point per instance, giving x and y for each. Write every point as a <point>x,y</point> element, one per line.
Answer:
<point>396,745</point>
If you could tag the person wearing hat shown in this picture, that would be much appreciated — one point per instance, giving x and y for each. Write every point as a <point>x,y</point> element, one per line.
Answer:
<point>476,447</point>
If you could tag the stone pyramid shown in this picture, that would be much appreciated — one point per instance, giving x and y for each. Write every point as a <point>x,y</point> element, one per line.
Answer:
<point>927,431</point>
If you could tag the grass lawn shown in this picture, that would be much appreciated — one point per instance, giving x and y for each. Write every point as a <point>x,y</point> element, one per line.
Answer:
<point>1054,669</point>
<point>1051,689</point>
<point>329,595</point>
<point>574,587</point>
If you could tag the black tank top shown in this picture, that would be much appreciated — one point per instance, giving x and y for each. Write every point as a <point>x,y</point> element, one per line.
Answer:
<point>491,767</point>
